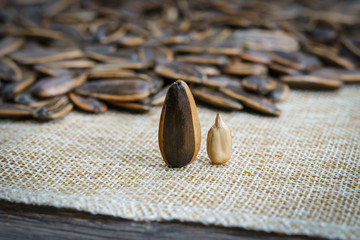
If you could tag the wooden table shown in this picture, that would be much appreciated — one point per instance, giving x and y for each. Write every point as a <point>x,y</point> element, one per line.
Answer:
<point>20,221</point>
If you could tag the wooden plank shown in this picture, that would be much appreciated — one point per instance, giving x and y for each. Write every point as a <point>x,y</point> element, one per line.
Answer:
<point>20,221</point>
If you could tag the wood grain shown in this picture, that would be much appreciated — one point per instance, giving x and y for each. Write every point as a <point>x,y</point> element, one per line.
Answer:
<point>20,221</point>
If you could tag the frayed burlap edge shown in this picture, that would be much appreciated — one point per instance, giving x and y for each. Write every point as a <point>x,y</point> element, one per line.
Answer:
<point>156,212</point>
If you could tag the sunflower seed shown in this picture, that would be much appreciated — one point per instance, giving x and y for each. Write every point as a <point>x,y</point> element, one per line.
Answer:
<point>215,98</point>
<point>297,60</point>
<point>265,40</point>
<point>87,104</point>
<point>179,127</point>
<point>78,63</point>
<point>159,97</point>
<point>9,70</point>
<point>204,59</point>
<point>54,109</point>
<point>11,89</point>
<point>278,69</point>
<point>222,81</point>
<point>10,44</point>
<point>28,99</point>
<point>132,106</point>
<point>312,82</point>
<point>10,110</point>
<point>259,84</point>
<point>252,101</point>
<point>256,56</point>
<point>112,73</point>
<point>55,86</point>
<point>116,90</point>
<point>151,55</point>
<point>330,56</point>
<point>176,70</point>
<point>38,55</point>
<point>280,93</point>
<point>245,69</point>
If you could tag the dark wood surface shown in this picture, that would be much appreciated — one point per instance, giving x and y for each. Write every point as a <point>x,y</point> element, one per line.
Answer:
<point>20,221</point>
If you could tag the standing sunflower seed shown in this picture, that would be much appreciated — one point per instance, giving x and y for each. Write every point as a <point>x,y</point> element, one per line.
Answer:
<point>179,127</point>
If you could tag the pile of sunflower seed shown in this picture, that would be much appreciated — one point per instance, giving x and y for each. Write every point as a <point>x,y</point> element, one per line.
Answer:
<point>57,54</point>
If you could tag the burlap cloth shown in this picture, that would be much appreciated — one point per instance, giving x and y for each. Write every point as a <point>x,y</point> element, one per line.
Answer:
<point>297,174</point>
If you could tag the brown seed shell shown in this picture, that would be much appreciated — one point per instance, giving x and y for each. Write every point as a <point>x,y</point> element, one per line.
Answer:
<point>225,48</point>
<point>35,32</point>
<point>159,97</point>
<point>176,70</point>
<point>217,60</point>
<point>54,72</point>
<point>347,76</point>
<point>78,63</point>
<point>266,40</point>
<point>124,90</point>
<point>111,73</point>
<point>245,69</point>
<point>10,110</point>
<point>331,56</point>
<point>350,44</point>
<point>252,101</point>
<point>222,81</point>
<point>54,109</point>
<point>41,55</point>
<point>281,69</point>
<point>215,98</point>
<point>11,89</point>
<point>132,106</point>
<point>104,53</point>
<point>130,40</point>
<point>9,70</point>
<point>30,100</point>
<point>87,104</point>
<point>259,84</point>
<point>179,127</point>
<point>209,70</point>
<point>55,86</point>
<point>350,76</point>
<point>280,93</point>
<point>312,82</point>
<point>10,44</point>
<point>256,56</point>
<point>119,65</point>
<point>297,60</point>
<point>150,55</point>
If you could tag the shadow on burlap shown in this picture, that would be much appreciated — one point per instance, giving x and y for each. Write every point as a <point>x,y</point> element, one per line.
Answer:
<point>297,174</point>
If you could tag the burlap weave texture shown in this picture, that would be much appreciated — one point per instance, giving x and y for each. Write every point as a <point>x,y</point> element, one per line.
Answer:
<point>297,174</point>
